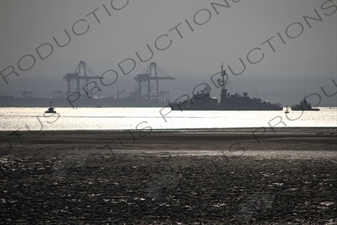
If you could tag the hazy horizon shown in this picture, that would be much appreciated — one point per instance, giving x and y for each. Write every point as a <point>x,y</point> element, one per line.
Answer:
<point>298,41</point>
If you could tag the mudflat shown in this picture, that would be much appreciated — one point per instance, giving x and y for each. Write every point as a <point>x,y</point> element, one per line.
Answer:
<point>213,176</point>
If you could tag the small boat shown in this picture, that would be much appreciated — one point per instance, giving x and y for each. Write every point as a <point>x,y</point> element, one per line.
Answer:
<point>50,109</point>
<point>303,106</point>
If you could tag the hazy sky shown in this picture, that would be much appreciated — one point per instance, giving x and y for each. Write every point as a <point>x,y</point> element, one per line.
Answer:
<point>299,55</point>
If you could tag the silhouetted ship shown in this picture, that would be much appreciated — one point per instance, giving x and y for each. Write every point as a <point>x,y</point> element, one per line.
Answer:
<point>203,100</point>
<point>304,105</point>
<point>50,109</point>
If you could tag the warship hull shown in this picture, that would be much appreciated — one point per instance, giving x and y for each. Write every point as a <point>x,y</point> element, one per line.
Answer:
<point>203,101</point>
<point>175,106</point>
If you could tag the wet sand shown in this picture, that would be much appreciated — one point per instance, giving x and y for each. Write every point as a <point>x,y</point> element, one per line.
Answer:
<point>223,176</point>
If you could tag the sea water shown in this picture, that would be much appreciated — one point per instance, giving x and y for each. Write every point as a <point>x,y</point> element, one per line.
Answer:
<point>158,118</point>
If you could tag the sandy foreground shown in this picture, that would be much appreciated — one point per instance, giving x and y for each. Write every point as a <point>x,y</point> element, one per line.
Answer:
<point>218,176</point>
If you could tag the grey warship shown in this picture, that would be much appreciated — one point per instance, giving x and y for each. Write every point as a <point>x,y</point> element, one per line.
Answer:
<point>203,101</point>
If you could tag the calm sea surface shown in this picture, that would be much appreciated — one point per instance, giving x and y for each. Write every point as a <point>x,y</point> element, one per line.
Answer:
<point>158,118</point>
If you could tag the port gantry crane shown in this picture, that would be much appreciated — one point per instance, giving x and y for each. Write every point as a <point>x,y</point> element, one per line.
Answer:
<point>80,72</point>
<point>148,81</point>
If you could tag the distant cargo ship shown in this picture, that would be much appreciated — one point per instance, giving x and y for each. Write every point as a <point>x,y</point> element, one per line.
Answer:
<point>203,101</point>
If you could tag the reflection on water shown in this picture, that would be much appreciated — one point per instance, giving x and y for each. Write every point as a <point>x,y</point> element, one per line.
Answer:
<point>157,118</point>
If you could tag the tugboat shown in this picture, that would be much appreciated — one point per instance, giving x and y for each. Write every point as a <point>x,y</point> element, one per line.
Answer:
<point>203,101</point>
<point>50,109</point>
<point>304,105</point>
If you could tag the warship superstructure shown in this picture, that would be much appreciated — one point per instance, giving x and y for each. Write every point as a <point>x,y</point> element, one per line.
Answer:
<point>203,101</point>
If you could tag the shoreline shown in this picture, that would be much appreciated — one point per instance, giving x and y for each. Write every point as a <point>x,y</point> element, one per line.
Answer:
<point>230,129</point>
<point>131,141</point>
